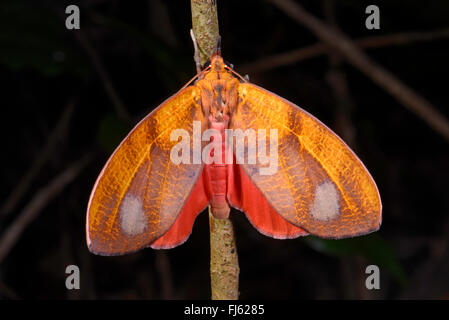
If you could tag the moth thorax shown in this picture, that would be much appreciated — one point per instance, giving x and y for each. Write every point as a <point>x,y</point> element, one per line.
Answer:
<point>219,107</point>
<point>218,121</point>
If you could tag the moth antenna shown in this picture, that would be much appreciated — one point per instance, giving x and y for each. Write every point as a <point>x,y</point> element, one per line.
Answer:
<point>243,78</point>
<point>217,49</point>
<point>218,46</point>
<point>196,55</point>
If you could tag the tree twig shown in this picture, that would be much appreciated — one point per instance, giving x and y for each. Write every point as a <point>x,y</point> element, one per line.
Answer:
<point>224,267</point>
<point>205,26</point>
<point>104,76</point>
<point>163,268</point>
<point>337,81</point>
<point>224,264</point>
<point>21,187</point>
<point>355,56</point>
<point>316,50</point>
<point>37,203</point>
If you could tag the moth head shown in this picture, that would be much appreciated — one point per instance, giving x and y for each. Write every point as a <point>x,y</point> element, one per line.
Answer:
<point>217,64</point>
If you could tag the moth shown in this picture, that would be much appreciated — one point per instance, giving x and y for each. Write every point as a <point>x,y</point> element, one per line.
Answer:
<point>211,144</point>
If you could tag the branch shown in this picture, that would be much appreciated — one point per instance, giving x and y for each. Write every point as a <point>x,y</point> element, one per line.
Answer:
<point>337,81</point>
<point>46,151</point>
<point>163,268</point>
<point>37,203</point>
<point>224,263</point>
<point>104,76</point>
<point>316,50</point>
<point>382,77</point>
<point>224,267</point>
<point>205,26</point>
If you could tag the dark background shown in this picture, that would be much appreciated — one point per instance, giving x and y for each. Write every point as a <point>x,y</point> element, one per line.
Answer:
<point>145,48</point>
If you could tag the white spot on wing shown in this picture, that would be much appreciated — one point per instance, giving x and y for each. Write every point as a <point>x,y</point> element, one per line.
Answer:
<point>325,204</point>
<point>133,219</point>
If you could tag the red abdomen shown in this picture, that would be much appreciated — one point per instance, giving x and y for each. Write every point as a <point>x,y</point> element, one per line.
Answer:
<point>216,174</point>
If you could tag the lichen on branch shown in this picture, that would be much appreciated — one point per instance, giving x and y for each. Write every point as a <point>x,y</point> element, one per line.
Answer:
<point>205,26</point>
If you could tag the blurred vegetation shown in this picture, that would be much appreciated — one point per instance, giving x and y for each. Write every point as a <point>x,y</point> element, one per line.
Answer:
<point>146,49</point>
<point>372,247</point>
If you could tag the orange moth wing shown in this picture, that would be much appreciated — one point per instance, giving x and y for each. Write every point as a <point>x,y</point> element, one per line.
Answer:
<point>181,229</point>
<point>244,195</point>
<point>320,185</point>
<point>140,192</point>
